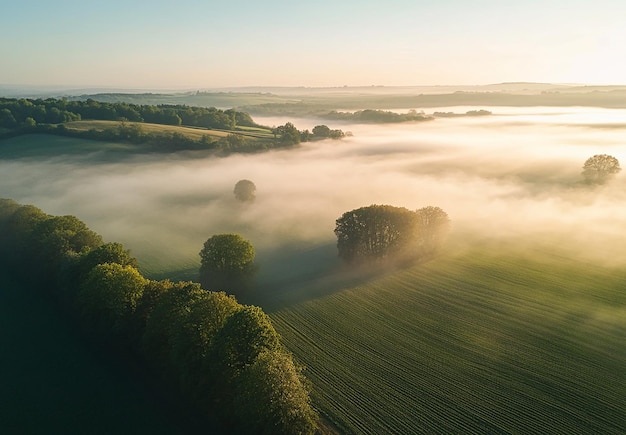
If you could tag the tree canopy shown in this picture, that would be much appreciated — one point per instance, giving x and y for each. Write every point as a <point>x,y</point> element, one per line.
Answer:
<point>600,168</point>
<point>221,357</point>
<point>245,191</point>
<point>227,263</point>
<point>379,232</point>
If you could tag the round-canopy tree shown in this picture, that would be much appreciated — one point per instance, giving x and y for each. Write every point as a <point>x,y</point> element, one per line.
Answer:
<point>600,168</point>
<point>245,191</point>
<point>227,263</point>
<point>378,232</point>
<point>374,232</point>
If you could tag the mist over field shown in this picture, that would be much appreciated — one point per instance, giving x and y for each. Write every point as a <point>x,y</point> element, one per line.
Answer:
<point>512,175</point>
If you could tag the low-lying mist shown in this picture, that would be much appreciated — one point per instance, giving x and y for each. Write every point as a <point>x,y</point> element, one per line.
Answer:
<point>515,175</point>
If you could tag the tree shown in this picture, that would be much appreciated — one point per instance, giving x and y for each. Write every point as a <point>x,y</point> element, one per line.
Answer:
<point>272,397</point>
<point>245,334</point>
<point>322,131</point>
<point>180,327</point>
<point>192,335</point>
<point>245,191</point>
<point>381,232</point>
<point>374,232</point>
<point>289,134</point>
<point>108,298</point>
<point>600,168</point>
<point>7,119</point>
<point>433,225</point>
<point>227,263</point>
<point>65,234</point>
<point>107,253</point>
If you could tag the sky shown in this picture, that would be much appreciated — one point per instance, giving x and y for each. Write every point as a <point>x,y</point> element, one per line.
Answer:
<point>208,44</point>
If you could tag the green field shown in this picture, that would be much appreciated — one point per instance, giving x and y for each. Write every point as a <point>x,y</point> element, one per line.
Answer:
<point>194,133</point>
<point>479,342</point>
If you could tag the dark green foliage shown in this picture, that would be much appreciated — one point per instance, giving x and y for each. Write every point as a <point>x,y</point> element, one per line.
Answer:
<point>378,116</point>
<point>152,293</point>
<point>108,298</point>
<point>192,340</point>
<point>272,397</point>
<point>287,134</point>
<point>181,326</point>
<point>321,131</point>
<point>20,116</point>
<point>245,191</point>
<point>375,232</point>
<point>53,111</point>
<point>197,342</point>
<point>324,132</point>
<point>172,301</point>
<point>107,253</point>
<point>227,263</point>
<point>381,232</point>
<point>7,208</point>
<point>64,234</point>
<point>232,143</point>
<point>245,334</point>
<point>17,234</point>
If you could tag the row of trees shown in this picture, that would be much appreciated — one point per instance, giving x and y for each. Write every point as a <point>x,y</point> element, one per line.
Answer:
<point>288,134</point>
<point>221,356</point>
<point>378,116</point>
<point>385,232</point>
<point>19,112</point>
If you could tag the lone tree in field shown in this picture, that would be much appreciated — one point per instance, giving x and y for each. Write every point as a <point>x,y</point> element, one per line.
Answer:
<point>380,232</point>
<point>227,263</point>
<point>600,168</point>
<point>245,191</point>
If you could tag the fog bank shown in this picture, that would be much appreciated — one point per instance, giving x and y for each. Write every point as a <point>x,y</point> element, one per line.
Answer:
<point>513,174</point>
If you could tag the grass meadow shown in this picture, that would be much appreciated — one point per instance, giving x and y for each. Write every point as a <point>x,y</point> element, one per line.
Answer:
<point>194,133</point>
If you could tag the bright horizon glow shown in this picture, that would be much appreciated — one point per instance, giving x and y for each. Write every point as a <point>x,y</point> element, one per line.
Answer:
<point>198,44</point>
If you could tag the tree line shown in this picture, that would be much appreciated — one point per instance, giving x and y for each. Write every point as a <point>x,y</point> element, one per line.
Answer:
<point>20,116</point>
<point>23,112</point>
<point>220,356</point>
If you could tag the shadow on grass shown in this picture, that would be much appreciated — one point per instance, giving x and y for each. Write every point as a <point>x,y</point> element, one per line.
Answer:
<point>292,275</point>
<point>45,146</point>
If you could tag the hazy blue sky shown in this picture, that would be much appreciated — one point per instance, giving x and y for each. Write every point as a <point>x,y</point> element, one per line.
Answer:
<point>206,43</point>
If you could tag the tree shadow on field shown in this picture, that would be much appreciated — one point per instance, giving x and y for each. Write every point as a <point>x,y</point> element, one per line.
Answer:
<point>290,275</point>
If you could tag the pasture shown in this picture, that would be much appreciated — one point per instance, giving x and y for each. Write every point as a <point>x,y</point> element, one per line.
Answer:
<point>190,132</point>
<point>490,340</point>
<point>194,133</point>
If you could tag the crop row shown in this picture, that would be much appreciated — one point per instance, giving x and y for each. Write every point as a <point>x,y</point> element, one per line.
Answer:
<point>472,344</point>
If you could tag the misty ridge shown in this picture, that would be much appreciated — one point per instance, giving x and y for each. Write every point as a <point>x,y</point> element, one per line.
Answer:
<point>514,175</point>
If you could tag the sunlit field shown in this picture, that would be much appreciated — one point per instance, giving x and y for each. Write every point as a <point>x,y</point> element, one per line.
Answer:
<point>493,340</point>
<point>517,326</point>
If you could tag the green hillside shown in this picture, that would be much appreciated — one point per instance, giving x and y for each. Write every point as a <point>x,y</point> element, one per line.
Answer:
<point>480,342</point>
